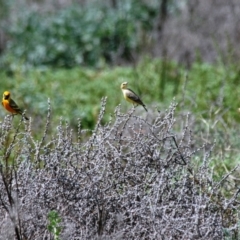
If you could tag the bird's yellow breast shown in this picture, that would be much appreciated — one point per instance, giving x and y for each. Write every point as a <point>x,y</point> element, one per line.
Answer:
<point>125,95</point>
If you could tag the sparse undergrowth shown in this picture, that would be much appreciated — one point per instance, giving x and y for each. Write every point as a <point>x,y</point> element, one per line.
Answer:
<point>132,178</point>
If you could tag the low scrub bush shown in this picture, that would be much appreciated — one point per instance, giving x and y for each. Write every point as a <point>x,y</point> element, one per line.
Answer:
<point>132,178</point>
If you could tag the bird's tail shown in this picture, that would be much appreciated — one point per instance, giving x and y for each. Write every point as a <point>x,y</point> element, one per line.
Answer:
<point>145,108</point>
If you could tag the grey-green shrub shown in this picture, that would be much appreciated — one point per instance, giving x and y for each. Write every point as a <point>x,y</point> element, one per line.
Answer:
<point>129,180</point>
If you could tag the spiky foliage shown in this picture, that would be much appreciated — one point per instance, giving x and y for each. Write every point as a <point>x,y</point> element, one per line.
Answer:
<point>133,178</point>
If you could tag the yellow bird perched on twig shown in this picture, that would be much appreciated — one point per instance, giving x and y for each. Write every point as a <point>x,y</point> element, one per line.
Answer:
<point>131,96</point>
<point>10,105</point>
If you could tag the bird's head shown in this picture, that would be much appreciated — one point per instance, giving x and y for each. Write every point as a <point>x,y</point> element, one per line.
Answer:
<point>6,95</point>
<point>124,85</point>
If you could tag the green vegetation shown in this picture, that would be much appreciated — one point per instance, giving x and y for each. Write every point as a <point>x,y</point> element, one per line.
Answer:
<point>91,35</point>
<point>207,91</point>
<point>53,226</point>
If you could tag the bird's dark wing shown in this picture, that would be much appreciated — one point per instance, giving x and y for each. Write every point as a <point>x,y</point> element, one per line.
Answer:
<point>132,95</point>
<point>15,106</point>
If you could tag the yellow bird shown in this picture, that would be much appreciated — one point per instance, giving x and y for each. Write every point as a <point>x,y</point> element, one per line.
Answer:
<point>10,105</point>
<point>131,96</point>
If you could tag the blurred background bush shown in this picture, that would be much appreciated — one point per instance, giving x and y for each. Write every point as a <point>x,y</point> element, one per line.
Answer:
<point>89,35</point>
<point>60,33</point>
